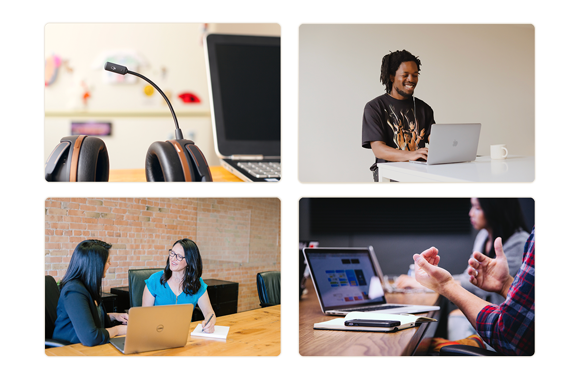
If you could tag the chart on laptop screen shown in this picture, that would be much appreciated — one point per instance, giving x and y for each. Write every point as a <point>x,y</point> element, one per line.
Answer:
<point>343,278</point>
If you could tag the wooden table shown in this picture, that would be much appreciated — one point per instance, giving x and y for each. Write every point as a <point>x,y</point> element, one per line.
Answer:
<point>219,174</point>
<point>252,333</point>
<point>343,343</point>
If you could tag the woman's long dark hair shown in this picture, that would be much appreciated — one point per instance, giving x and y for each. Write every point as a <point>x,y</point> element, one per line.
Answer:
<point>87,265</point>
<point>191,283</point>
<point>504,216</point>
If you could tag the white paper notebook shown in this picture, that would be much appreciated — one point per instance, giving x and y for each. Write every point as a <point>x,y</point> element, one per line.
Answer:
<point>220,332</point>
<point>406,321</point>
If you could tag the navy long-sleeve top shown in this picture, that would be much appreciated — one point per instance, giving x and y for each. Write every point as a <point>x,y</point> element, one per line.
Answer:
<point>78,319</point>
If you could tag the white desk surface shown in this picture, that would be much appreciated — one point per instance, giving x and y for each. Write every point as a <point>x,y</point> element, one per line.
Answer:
<point>514,169</point>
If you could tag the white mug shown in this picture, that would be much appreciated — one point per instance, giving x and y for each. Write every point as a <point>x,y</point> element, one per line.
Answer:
<point>498,151</point>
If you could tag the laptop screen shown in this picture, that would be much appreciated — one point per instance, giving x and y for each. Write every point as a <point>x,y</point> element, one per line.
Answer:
<point>245,88</point>
<point>342,276</point>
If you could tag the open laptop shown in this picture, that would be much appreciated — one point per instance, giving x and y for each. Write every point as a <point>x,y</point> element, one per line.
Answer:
<point>244,88</point>
<point>341,278</point>
<point>153,328</point>
<point>452,143</point>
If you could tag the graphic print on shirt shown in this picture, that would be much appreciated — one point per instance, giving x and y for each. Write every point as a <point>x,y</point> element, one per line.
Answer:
<point>405,128</point>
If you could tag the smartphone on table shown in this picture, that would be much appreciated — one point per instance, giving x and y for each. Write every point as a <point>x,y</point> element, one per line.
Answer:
<point>372,323</point>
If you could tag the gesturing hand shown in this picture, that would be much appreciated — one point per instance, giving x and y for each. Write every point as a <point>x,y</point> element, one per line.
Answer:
<point>428,273</point>
<point>490,274</point>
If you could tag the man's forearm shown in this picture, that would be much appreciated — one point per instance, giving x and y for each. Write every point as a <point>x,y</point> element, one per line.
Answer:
<point>385,152</point>
<point>506,286</point>
<point>468,303</point>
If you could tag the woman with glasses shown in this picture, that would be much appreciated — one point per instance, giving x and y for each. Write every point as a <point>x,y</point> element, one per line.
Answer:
<point>81,317</point>
<point>180,282</point>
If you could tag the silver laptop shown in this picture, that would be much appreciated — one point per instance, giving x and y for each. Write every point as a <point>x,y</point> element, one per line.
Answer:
<point>341,279</point>
<point>452,143</point>
<point>244,88</point>
<point>153,328</point>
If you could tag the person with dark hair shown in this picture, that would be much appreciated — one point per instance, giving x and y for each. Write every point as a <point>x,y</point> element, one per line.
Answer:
<point>81,317</point>
<point>396,125</point>
<point>508,327</point>
<point>180,282</point>
<point>493,218</point>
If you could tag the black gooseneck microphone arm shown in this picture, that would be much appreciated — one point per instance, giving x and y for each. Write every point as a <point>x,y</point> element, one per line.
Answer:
<point>122,70</point>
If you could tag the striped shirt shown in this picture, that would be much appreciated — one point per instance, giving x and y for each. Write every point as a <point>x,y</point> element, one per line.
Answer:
<point>509,328</point>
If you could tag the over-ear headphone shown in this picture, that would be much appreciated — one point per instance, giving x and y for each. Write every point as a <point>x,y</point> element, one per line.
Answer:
<point>85,158</point>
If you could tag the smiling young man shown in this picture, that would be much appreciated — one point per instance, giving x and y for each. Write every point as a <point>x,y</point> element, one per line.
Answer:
<point>396,125</point>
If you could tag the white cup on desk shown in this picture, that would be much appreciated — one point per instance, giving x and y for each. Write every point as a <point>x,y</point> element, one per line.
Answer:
<point>498,151</point>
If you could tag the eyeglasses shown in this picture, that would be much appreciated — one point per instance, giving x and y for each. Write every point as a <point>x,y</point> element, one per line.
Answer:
<point>174,254</point>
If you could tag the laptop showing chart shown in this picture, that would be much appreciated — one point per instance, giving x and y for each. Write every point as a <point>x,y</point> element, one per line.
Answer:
<point>244,89</point>
<point>342,278</point>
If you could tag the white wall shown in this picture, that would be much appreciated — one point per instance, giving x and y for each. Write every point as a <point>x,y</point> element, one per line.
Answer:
<point>469,74</point>
<point>137,120</point>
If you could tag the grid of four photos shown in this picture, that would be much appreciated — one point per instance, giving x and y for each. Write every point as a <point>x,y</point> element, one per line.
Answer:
<point>164,275</point>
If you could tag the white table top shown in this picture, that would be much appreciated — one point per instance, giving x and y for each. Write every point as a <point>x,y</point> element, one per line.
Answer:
<point>514,169</point>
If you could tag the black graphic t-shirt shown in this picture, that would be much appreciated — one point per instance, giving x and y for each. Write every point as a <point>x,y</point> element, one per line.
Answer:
<point>392,121</point>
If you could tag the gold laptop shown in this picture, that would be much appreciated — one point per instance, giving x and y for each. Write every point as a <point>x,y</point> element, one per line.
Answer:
<point>153,328</point>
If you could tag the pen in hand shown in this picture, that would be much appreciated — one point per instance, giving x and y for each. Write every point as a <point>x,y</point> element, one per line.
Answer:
<point>210,318</point>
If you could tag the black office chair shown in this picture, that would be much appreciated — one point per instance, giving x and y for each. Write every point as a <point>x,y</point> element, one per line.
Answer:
<point>136,284</point>
<point>466,350</point>
<point>268,284</point>
<point>52,294</point>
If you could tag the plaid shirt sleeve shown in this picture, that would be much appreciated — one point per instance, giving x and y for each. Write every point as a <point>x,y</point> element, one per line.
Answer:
<point>509,328</point>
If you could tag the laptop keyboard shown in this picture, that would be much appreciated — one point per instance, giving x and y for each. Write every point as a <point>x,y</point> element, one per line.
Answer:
<point>261,169</point>
<point>377,308</point>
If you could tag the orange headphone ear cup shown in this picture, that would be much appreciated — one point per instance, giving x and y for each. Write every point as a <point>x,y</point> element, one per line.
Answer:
<point>162,163</point>
<point>93,162</point>
<point>78,158</point>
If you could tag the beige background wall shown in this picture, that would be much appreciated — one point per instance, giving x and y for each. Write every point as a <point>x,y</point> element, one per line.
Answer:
<point>237,238</point>
<point>469,74</point>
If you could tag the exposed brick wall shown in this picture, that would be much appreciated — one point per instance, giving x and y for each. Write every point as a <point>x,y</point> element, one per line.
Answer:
<point>237,238</point>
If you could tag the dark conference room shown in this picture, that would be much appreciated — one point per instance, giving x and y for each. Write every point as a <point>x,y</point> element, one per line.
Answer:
<point>359,253</point>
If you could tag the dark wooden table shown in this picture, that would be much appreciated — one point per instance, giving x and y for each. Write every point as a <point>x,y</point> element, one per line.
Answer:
<point>411,341</point>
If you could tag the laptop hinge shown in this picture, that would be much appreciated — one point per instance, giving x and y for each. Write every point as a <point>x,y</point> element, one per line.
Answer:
<point>246,157</point>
